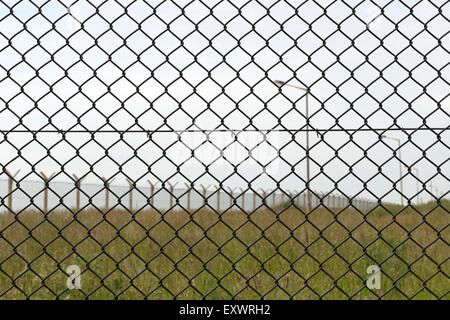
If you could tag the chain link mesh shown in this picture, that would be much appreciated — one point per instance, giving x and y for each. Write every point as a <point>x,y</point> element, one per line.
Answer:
<point>259,149</point>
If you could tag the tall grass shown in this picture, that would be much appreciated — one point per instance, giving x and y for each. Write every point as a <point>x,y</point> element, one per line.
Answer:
<point>274,254</point>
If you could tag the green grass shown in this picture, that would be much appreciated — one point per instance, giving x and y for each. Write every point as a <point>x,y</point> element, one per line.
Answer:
<point>234,255</point>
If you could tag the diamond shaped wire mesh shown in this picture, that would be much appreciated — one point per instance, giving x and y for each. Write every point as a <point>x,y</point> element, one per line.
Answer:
<point>224,149</point>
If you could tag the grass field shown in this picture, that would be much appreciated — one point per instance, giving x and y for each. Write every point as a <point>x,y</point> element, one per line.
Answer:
<point>234,255</point>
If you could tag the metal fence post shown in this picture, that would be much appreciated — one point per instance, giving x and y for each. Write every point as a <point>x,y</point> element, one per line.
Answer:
<point>188,188</point>
<point>77,187</point>
<point>46,179</point>
<point>296,199</point>
<point>231,190</point>
<point>263,200</point>
<point>290,198</point>
<point>243,199</point>
<point>171,187</point>
<point>152,193</point>
<point>130,191</point>
<point>204,189</point>
<point>106,183</point>
<point>304,200</point>
<point>218,198</point>
<point>10,187</point>
<point>273,197</point>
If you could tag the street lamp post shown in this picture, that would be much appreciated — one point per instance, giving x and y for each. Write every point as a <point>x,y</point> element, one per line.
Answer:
<point>308,193</point>
<point>400,163</point>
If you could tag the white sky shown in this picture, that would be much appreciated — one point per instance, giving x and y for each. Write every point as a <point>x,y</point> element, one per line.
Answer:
<point>177,70</point>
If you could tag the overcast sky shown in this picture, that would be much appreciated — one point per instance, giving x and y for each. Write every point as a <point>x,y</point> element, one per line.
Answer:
<point>155,68</point>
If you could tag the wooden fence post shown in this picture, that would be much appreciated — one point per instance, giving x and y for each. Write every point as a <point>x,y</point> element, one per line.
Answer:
<point>10,187</point>
<point>46,179</point>
<point>188,187</point>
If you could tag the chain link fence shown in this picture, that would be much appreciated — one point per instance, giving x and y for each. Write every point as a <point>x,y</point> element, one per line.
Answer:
<point>260,149</point>
<point>77,195</point>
